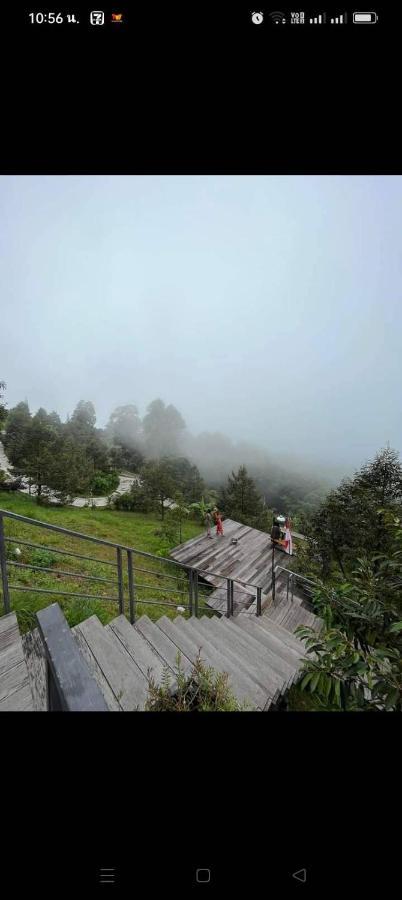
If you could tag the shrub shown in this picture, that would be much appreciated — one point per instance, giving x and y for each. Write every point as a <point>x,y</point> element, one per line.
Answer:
<point>41,558</point>
<point>202,690</point>
<point>104,483</point>
<point>135,500</point>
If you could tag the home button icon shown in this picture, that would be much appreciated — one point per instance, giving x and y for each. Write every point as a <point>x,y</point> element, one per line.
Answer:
<point>203,876</point>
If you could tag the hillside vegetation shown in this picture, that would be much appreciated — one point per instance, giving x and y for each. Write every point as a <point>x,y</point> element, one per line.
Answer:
<point>139,530</point>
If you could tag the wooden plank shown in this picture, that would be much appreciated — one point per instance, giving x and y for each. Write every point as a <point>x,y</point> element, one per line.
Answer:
<point>249,561</point>
<point>162,645</point>
<point>37,670</point>
<point>19,701</point>
<point>123,675</point>
<point>77,689</point>
<point>137,647</point>
<point>15,691</point>
<point>233,644</point>
<point>241,683</point>
<point>96,671</point>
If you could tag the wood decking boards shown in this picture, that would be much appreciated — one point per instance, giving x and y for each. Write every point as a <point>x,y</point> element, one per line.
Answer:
<point>250,561</point>
<point>15,689</point>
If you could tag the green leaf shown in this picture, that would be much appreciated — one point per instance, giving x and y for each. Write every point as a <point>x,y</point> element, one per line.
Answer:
<point>337,692</point>
<point>306,680</point>
<point>314,682</point>
<point>397,626</point>
<point>392,698</point>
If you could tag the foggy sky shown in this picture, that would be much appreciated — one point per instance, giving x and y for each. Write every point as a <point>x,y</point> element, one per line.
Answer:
<point>264,307</point>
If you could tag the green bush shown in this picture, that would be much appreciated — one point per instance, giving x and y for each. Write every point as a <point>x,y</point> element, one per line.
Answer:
<point>104,483</point>
<point>202,690</point>
<point>135,500</point>
<point>41,558</point>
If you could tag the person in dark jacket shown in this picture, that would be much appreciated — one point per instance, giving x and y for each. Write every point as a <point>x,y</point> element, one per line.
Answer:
<point>275,531</point>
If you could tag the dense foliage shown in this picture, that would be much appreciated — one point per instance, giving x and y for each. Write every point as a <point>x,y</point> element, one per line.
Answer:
<point>355,556</point>
<point>240,501</point>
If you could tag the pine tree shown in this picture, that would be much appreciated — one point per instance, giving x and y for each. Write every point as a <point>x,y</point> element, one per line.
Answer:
<point>241,501</point>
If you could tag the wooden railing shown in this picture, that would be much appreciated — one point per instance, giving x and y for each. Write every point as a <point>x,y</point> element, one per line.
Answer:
<point>70,685</point>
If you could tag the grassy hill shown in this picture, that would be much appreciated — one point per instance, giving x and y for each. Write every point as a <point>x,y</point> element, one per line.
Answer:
<point>137,530</point>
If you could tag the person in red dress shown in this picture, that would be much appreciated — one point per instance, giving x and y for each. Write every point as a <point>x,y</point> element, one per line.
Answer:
<point>219,526</point>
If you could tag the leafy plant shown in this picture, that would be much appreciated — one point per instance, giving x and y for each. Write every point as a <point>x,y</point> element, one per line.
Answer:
<point>202,690</point>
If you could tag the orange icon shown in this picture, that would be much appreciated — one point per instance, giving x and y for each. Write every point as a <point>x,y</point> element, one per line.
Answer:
<point>117,17</point>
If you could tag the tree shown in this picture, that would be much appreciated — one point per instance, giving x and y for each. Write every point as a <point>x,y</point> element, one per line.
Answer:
<point>187,477</point>
<point>351,519</point>
<point>16,434</point>
<point>163,426</point>
<point>3,411</point>
<point>39,451</point>
<point>82,422</point>
<point>240,499</point>
<point>159,482</point>
<point>124,426</point>
<point>176,516</point>
<point>125,458</point>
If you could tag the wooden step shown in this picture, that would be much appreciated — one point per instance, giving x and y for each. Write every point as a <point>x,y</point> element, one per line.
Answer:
<point>124,678</point>
<point>162,645</point>
<point>15,689</point>
<point>96,670</point>
<point>272,642</point>
<point>279,662</point>
<point>35,659</point>
<point>286,636</point>
<point>232,642</point>
<point>241,682</point>
<point>137,647</point>
<point>291,615</point>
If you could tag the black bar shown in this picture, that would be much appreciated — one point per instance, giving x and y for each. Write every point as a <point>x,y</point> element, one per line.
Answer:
<point>259,591</point>
<point>195,585</point>
<point>131,586</point>
<point>190,591</point>
<point>60,572</point>
<point>3,566</point>
<point>104,562</point>
<point>228,598</point>
<point>71,685</point>
<point>34,590</point>
<point>120,580</point>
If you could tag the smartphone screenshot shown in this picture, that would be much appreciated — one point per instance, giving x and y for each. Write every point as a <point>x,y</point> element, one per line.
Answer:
<point>200,449</point>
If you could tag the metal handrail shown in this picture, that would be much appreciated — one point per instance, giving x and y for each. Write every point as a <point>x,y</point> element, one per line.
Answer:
<point>192,572</point>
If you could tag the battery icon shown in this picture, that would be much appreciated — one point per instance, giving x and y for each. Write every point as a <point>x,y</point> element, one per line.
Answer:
<point>365,18</point>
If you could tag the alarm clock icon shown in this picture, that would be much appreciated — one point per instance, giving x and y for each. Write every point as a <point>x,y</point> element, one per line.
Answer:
<point>257,18</point>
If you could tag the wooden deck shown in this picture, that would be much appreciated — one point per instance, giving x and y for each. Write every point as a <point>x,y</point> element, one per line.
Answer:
<point>15,690</point>
<point>248,561</point>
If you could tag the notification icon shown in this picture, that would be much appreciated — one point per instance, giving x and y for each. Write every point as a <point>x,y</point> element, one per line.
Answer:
<point>117,17</point>
<point>97,17</point>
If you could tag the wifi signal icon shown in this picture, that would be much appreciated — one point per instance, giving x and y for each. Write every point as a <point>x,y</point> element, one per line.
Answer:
<point>278,18</point>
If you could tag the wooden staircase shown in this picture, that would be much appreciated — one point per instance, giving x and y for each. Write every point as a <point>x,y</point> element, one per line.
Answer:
<point>262,658</point>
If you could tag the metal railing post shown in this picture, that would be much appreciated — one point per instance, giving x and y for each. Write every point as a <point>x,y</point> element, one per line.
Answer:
<point>3,566</point>
<point>131,589</point>
<point>195,586</point>
<point>273,587</point>
<point>232,598</point>
<point>229,597</point>
<point>190,592</point>
<point>120,580</point>
<point>259,592</point>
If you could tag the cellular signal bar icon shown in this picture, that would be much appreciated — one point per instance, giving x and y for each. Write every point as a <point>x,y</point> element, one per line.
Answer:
<point>340,20</point>
<point>319,20</point>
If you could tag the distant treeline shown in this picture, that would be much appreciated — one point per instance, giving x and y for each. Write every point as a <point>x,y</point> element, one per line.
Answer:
<point>76,457</point>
